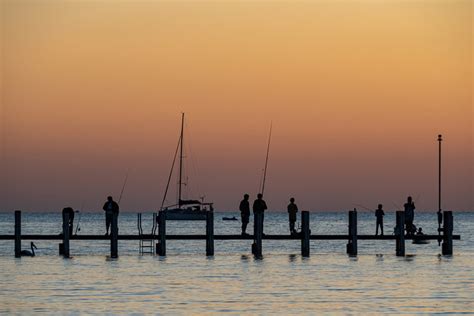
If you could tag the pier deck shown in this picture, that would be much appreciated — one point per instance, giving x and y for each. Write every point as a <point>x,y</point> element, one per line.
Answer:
<point>446,235</point>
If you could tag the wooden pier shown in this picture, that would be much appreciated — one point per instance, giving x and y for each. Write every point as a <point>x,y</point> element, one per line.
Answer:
<point>305,236</point>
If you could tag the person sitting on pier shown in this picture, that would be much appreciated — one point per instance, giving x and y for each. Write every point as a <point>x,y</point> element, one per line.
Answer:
<point>245,213</point>
<point>110,207</point>
<point>409,216</point>
<point>292,210</point>
<point>379,214</point>
<point>259,207</point>
<point>419,232</point>
<point>70,212</point>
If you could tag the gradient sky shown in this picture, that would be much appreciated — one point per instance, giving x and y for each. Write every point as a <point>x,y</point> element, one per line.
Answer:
<point>357,92</point>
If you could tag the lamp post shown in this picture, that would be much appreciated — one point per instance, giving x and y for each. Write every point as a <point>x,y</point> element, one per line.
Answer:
<point>440,215</point>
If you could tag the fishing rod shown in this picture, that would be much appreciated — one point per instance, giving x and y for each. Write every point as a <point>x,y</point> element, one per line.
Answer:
<point>261,181</point>
<point>78,228</point>
<point>397,206</point>
<point>365,208</point>
<point>266,159</point>
<point>123,187</point>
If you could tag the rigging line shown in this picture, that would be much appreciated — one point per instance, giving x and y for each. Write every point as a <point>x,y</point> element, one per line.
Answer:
<point>181,161</point>
<point>123,187</point>
<point>266,159</point>
<point>171,174</point>
<point>195,171</point>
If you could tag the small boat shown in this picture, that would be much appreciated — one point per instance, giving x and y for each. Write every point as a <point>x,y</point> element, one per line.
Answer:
<point>418,241</point>
<point>184,209</point>
<point>225,218</point>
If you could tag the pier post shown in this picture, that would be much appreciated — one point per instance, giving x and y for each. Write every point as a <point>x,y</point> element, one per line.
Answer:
<point>65,244</point>
<point>400,233</point>
<point>17,234</point>
<point>161,247</point>
<point>305,232</point>
<point>447,247</point>
<point>210,233</point>
<point>114,237</point>
<point>258,235</point>
<point>352,244</point>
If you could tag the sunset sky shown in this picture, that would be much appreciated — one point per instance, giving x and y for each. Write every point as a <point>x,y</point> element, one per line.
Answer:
<point>357,92</point>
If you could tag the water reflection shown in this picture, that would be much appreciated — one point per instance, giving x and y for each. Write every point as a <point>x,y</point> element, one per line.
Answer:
<point>185,284</point>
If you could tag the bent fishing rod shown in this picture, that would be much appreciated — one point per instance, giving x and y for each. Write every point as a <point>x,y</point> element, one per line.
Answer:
<point>123,187</point>
<point>266,159</point>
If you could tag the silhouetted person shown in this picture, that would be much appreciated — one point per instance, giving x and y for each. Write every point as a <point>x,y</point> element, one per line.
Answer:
<point>409,216</point>
<point>259,207</point>
<point>245,213</point>
<point>292,210</point>
<point>419,232</point>
<point>379,214</point>
<point>70,211</point>
<point>110,207</point>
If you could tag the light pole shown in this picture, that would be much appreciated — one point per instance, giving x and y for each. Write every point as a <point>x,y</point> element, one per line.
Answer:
<point>440,215</point>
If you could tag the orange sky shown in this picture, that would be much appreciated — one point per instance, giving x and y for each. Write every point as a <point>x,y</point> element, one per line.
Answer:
<point>357,92</point>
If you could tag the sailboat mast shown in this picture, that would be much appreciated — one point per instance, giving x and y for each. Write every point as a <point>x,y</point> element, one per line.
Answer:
<point>181,160</point>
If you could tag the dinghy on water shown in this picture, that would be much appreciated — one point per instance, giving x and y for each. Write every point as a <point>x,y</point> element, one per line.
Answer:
<point>418,238</point>
<point>225,218</point>
<point>184,209</point>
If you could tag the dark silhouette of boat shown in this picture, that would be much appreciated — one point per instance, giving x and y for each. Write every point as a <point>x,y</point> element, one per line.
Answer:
<point>226,218</point>
<point>420,241</point>
<point>184,209</point>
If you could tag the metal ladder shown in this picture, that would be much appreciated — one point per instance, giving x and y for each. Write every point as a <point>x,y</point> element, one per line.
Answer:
<point>146,244</point>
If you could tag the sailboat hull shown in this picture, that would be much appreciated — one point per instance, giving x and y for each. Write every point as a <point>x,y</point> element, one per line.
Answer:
<point>186,215</point>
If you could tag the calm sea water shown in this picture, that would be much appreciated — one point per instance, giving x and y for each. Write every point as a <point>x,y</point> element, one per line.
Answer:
<point>188,282</point>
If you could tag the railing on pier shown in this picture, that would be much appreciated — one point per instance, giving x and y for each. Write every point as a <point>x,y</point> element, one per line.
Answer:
<point>304,236</point>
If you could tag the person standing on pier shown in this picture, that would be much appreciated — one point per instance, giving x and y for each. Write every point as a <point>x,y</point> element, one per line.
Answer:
<point>70,212</point>
<point>259,207</point>
<point>409,216</point>
<point>292,210</point>
<point>110,207</point>
<point>379,214</point>
<point>245,213</point>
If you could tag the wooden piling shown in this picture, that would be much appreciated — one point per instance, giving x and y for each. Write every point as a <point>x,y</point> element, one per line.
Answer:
<point>65,247</point>
<point>17,234</point>
<point>447,247</point>
<point>161,247</point>
<point>114,236</point>
<point>352,244</point>
<point>210,233</point>
<point>400,234</point>
<point>258,235</point>
<point>305,233</point>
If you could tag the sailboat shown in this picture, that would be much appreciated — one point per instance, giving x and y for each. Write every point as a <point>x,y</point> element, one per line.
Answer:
<point>184,209</point>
